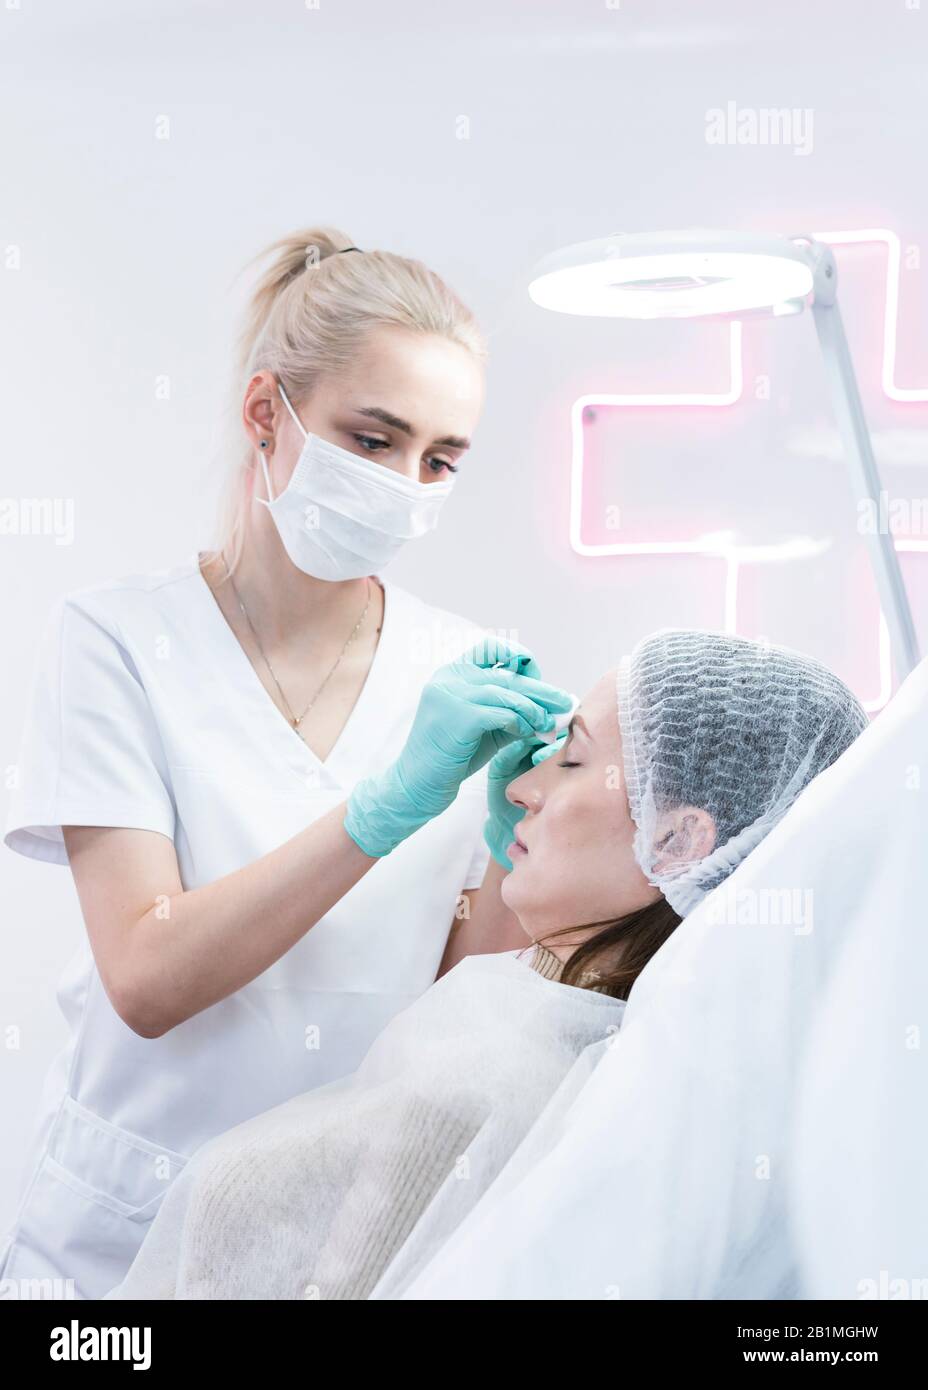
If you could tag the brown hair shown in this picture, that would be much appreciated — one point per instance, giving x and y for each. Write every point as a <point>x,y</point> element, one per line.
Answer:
<point>614,957</point>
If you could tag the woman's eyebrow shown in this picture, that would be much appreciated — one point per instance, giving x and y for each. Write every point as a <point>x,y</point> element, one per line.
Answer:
<point>577,724</point>
<point>386,417</point>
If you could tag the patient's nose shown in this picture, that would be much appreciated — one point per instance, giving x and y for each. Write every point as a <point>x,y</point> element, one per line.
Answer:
<point>525,791</point>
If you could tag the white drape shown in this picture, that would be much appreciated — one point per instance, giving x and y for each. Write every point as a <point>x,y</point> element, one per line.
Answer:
<point>312,1198</point>
<point>759,1127</point>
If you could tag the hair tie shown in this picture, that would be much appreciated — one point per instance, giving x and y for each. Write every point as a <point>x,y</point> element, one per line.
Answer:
<point>309,261</point>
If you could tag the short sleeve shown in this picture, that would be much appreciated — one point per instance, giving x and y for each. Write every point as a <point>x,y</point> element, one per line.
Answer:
<point>90,752</point>
<point>476,788</point>
<point>478,865</point>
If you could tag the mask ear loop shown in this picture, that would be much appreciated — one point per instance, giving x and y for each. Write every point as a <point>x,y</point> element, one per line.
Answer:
<point>284,397</point>
<point>266,502</point>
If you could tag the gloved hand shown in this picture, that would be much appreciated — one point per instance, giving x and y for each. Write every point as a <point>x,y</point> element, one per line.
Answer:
<point>508,764</point>
<point>468,711</point>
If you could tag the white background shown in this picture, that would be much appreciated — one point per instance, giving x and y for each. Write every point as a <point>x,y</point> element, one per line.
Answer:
<point>584,119</point>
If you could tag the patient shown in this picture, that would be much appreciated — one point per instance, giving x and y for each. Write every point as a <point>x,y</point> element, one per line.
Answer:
<point>676,765</point>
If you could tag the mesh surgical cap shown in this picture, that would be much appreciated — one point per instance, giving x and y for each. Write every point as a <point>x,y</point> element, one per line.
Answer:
<point>728,725</point>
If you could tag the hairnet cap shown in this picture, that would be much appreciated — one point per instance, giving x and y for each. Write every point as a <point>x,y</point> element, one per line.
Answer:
<point>728,725</point>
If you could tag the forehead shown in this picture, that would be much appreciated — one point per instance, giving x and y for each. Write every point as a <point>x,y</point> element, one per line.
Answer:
<point>423,377</point>
<point>599,712</point>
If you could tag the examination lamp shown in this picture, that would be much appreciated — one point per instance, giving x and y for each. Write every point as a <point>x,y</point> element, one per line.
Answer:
<point>736,275</point>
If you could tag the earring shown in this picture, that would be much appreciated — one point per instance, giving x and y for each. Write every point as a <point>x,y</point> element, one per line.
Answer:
<point>263,443</point>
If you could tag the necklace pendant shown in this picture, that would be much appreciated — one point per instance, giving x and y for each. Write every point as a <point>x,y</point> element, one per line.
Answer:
<point>296,719</point>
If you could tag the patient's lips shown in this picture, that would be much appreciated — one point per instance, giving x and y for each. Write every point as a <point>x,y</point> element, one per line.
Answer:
<point>517,849</point>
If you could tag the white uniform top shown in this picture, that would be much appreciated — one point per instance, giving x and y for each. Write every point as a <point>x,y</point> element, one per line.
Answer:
<point>148,713</point>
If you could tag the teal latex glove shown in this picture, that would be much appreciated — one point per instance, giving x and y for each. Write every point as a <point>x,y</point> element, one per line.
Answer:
<point>466,713</point>
<point>508,764</point>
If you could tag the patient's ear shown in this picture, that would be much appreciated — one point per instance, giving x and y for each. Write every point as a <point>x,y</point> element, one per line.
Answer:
<point>683,836</point>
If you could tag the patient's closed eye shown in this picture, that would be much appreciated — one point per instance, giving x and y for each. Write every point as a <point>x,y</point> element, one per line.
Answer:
<point>569,745</point>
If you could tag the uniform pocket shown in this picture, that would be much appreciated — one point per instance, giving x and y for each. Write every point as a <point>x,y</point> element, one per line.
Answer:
<point>88,1207</point>
<point>103,1163</point>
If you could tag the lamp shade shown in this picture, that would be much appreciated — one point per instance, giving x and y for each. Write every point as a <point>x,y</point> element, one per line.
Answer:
<point>688,274</point>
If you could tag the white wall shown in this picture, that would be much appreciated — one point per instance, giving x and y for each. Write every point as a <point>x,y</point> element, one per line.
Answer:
<point>584,119</point>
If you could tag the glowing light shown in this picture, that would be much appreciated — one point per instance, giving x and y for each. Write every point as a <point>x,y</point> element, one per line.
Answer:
<point>728,396</point>
<point>724,545</point>
<point>711,546</point>
<point>883,236</point>
<point>689,274</point>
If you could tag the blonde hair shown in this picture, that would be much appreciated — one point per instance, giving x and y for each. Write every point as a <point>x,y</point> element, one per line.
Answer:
<point>308,315</point>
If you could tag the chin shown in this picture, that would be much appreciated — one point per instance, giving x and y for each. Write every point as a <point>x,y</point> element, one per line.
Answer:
<point>517,892</point>
<point>509,891</point>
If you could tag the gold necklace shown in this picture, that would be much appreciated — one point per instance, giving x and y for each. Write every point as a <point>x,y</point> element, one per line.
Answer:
<point>297,719</point>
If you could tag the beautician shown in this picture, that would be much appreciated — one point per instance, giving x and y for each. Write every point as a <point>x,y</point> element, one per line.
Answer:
<point>251,761</point>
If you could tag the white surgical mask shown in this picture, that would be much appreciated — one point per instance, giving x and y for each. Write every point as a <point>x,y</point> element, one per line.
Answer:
<point>343,517</point>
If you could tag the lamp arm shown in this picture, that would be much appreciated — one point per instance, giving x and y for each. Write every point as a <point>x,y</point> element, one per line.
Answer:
<point>865,479</point>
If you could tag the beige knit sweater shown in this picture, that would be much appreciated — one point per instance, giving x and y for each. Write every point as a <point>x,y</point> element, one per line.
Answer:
<point>350,1264</point>
<point>548,965</point>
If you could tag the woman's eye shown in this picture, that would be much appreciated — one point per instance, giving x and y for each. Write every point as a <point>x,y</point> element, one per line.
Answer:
<point>373,445</point>
<point>369,442</point>
<point>565,763</point>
